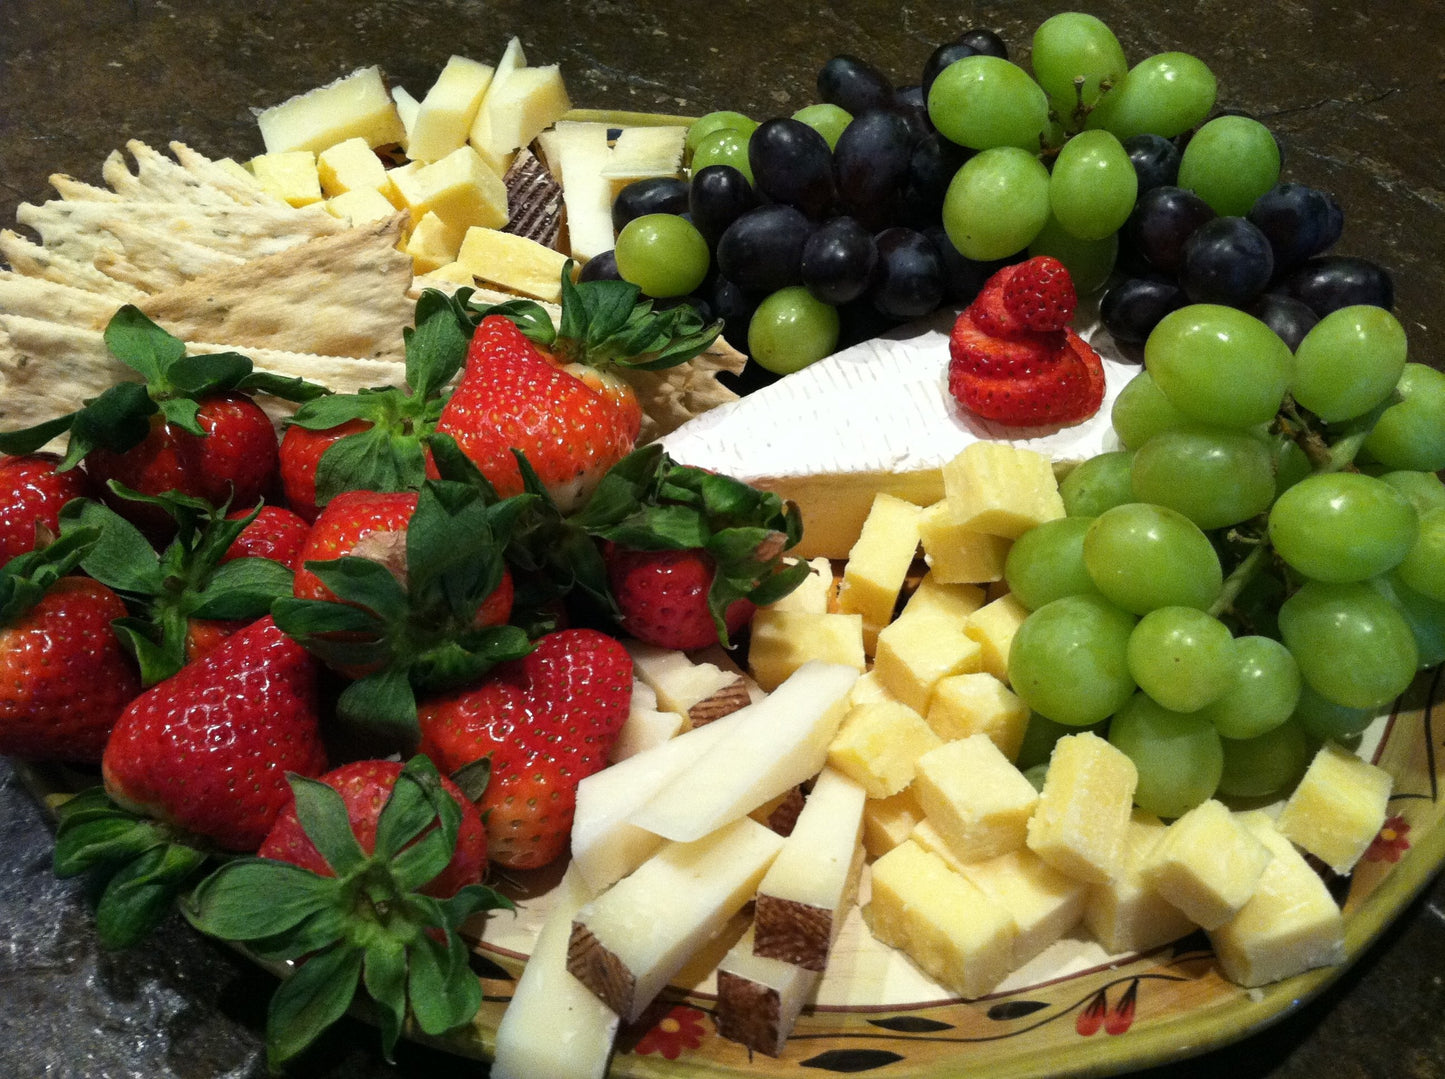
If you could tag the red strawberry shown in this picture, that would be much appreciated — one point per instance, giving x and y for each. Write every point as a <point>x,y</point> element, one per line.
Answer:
<point>547,720</point>
<point>371,524</point>
<point>300,454</point>
<point>64,678</point>
<point>364,787</point>
<point>31,494</point>
<point>663,597</point>
<point>974,349</point>
<point>208,749</point>
<point>988,311</point>
<point>275,533</point>
<point>1064,389</point>
<point>1040,294</point>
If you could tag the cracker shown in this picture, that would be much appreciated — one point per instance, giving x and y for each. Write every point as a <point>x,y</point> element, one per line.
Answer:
<point>35,297</point>
<point>73,190</point>
<point>154,261</point>
<point>237,183</point>
<point>32,260</point>
<point>163,179</point>
<point>674,395</point>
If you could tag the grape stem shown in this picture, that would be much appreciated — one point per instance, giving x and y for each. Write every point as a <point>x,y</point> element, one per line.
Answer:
<point>1240,576</point>
<point>1337,456</point>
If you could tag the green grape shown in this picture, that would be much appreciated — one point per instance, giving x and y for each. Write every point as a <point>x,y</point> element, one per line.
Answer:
<point>1047,562</point>
<point>826,119</point>
<point>1040,735</point>
<point>1089,262</point>
<point>1326,721</point>
<point>1068,660</point>
<point>1267,764</point>
<point>1263,694</point>
<point>1141,411</point>
<point>791,329</point>
<point>1423,567</point>
<point>1424,615</point>
<point>1093,185</point>
<point>1411,433</point>
<point>997,201</point>
<point>983,101</point>
<point>1342,526</point>
<point>1291,464</point>
<point>1229,163</point>
<point>1219,365</point>
<point>1075,59</point>
<point>708,123</point>
<point>725,146</point>
<point>662,254</point>
<point>1179,756</point>
<point>1143,556</point>
<point>1353,646</point>
<point>1097,484</point>
<point>1215,476</point>
<point>1182,657</point>
<point>1349,362</point>
<point>1165,94</point>
<point>1425,490</point>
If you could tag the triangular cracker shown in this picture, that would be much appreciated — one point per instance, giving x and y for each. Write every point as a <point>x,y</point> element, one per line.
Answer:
<point>153,261</point>
<point>238,184</point>
<point>35,297</point>
<point>32,260</point>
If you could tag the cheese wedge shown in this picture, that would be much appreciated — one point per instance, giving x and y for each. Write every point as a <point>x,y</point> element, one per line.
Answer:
<point>445,115</point>
<point>355,106</point>
<point>759,999</point>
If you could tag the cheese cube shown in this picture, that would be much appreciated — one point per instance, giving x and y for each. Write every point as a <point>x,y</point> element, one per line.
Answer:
<point>878,563</point>
<point>514,263</point>
<point>1001,490</point>
<point>915,653</point>
<point>290,176</point>
<point>887,822</point>
<point>407,107</point>
<point>1044,903</point>
<point>1291,924</point>
<point>1083,812</point>
<point>433,243</point>
<point>644,728</point>
<point>357,105</point>
<point>460,189</point>
<point>360,206</point>
<point>993,626</point>
<point>445,115</point>
<point>528,101</point>
<point>758,998</point>
<point>978,801</point>
<point>868,689</point>
<point>938,597</point>
<point>1207,864</point>
<point>1126,913</point>
<point>480,134</point>
<point>350,166</point>
<point>815,595</point>
<point>879,744</point>
<point>978,703</point>
<point>1338,807</point>
<point>945,924</point>
<point>782,641</point>
<point>960,555</point>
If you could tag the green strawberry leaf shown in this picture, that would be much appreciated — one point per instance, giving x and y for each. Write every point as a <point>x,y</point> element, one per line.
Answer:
<point>243,588</point>
<point>29,439</point>
<point>195,376</point>
<point>382,704</point>
<point>141,892</point>
<point>455,662</point>
<point>310,1001</point>
<point>323,817</point>
<point>436,349</point>
<point>27,577</point>
<point>225,904</point>
<point>142,345</point>
<point>416,801</point>
<point>384,976</point>
<point>116,420</point>
<point>443,990</point>
<point>364,582</point>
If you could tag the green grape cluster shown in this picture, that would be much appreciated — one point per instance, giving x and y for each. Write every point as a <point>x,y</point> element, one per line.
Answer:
<point>1259,568</point>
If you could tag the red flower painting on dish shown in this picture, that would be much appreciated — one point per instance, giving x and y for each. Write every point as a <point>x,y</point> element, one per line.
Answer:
<point>681,1028</point>
<point>1391,841</point>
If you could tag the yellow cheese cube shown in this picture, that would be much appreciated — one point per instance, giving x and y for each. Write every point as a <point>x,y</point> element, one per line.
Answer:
<point>520,107</point>
<point>979,802</point>
<point>433,243</point>
<point>358,105</point>
<point>868,688</point>
<point>782,641</point>
<point>1125,913</point>
<point>960,555</point>
<point>460,189</point>
<point>1338,807</point>
<point>993,626</point>
<point>1044,903</point>
<point>407,107</point>
<point>878,564</point>
<point>290,176</point>
<point>1083,812</point>
<point>1290,924</point>
<point>915,653</point>
<point>978,703</point>
<point>453,271</point>
<point>887,822</point>
<point>946,925</point>
<point>815,594</point>
<point>515,263</point>
<point>935,596</point>
<point>1207,864</point>
<point>1000,489</point>
<point>350,166</point>
<point>360,206</point>
<point>879,744</point>
<point>445,115</point>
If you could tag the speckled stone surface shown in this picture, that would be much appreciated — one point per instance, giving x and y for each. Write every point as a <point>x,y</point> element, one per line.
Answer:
<point>1354,92</point>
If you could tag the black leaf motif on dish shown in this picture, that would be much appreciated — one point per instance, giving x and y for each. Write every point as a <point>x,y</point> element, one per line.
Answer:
<point>911,1024</point>
<point>1015,1009</point>
<point>483,967</point>
<point>852,1060</point>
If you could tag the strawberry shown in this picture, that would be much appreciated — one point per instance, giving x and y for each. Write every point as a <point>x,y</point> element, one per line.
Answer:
<point>663,596</point>
<point>300,456</point>
<point>207,749</point>
<point>64,678</point>
<point>1040,294</point>
<point>32,492</point>
<point>1066,388</point>
<point>370,524</point>
<point>364,787</point>
<point>275,532</point>
<point>546,721</point>
<point>974,349</point>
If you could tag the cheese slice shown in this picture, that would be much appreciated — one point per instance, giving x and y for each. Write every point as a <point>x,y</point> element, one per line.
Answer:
<point>579,152</point>
<point>758,998</point>
<point>876,417</point>
<point>358,105</point>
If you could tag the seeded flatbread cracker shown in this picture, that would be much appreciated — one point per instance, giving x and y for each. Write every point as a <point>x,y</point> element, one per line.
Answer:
<point>235,182</point>
<point>153,261</point>
<point>342,295</point>
<point>72,190</point>
<point>35,297</point>
<point>674,395</point>
<point>31,259</point>
<point>162,178</point>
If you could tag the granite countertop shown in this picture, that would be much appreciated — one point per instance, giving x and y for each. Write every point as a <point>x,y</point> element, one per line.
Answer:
<point>1354,92</point>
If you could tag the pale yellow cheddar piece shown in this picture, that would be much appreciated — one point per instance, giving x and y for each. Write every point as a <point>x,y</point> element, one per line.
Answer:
<point>960,555</point>
<point>406,107</point>
<point>480,134</point>
<point>355,106</point>
<point>1125,913</point>
<point>360,206</point>
<point>350,165</point>
<point>935,596</point>
<point>579,151</point>
<point>433,243</point>
<point>530,100</point>
<point>945,924</point>
<point>759,999</point>
<point>1044,903</point>
<point>514,263</point>
<point>993,626</point>
<point>976,799</point>
<point>444,117</point>
<point>685,685</point>
<point>815,595</point>
<point>1290,925</point>
<point>1001,490</point>
<point>1082,818</point>
<point>645,153</point>
<point>460,189</point>
<point>646,726</point>
<point>401,185</point>
<point>978,703</point>
<point>879,744</point>
<point>914,653</point>
<point>887,822</point>
<point>290,175</point>
<point>878,564</point>
<point>869,688</point>
<point>554,1025</point>
<point>454,272</point>
<point>782,641</point>
<point>1207,864</point>
<point>1338,807</point>
<point>629,942</point>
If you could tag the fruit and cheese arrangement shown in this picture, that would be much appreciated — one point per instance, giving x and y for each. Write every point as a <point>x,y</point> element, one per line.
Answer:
<point>941,542</point>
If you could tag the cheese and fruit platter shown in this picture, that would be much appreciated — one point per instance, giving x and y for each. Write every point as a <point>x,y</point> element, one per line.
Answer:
<point>946,578</point>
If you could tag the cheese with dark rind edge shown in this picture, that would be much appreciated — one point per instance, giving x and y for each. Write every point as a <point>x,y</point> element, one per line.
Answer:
<point>356,104</point>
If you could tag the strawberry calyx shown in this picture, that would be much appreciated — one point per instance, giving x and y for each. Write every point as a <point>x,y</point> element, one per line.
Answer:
<point>26,578</point>
<point>366,926</point>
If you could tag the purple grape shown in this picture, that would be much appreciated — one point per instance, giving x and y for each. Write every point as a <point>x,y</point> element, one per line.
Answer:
<point>718,196</point>
<point>1162,221</point>
<point>1226,261</point>
<point>600,267</point>
<point>909,281</point>
<point>872,160</point>
<point>1299,221</point>
<point>941,57</point>
<point>1132,308</point>
<point>985,42</point>
<point>1155,159</point>
<point>854,85</point>
<point>1287,317</point>
<point>1326,283</point>
<point>656,195</point>
<point>839,260</point>
<point>762,251</point>
<point>963,277</point>
<point>792,164</point>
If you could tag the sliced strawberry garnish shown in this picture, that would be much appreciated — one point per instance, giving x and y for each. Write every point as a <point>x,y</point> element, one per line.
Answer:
<point>1059,390</point>
<point>988,311</point>
<point>1040,294</point>
<point>972,347</point>
<point>1094,365</point>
